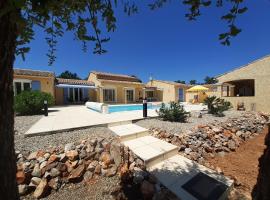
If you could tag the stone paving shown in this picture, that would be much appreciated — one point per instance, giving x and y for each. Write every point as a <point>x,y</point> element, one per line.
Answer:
<point>163,161</point>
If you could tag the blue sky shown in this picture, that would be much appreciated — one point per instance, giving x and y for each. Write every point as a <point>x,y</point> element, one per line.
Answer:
<point>163,43</point>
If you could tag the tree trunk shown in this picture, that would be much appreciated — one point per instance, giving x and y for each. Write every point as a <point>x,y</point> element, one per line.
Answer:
<point>8,185</point>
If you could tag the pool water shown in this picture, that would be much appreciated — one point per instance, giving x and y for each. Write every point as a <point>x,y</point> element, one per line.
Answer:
<point>130,107</point>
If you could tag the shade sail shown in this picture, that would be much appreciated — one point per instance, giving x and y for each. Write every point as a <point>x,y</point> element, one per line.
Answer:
<point>197,88</point>
<point>75,86</point>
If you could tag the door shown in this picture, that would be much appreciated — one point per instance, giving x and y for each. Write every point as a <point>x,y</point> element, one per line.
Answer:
<point>181,94</point>
<point>130,95</point>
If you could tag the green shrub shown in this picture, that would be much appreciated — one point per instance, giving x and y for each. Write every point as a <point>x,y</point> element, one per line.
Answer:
<point>31,102</point>
<point>174,112</point>
<point>217,106</point>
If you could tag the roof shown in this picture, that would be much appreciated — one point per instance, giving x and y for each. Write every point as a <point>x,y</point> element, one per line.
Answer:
<point>30,72</point>
<point>74,82</point>
<point>126,82</point>
<point>115,77</point>
<point>246,65</point>
<point>173,83</point>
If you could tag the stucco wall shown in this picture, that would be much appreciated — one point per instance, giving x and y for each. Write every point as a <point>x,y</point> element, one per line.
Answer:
<point>46,83</point>
<point>260,72</point>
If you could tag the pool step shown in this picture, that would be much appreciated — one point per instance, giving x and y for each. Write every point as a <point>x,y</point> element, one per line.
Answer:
<point>151,150</point>
<point>129,131</point>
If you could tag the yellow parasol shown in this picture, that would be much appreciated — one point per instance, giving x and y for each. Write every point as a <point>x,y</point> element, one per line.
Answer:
<point>197,88</point>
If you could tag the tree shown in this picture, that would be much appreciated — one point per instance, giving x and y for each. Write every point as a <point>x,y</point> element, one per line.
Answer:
<point>68,75</point>
<point>17,21</point>
<point>179,81</point>
<point>210,80</point>
<point>192,82</point>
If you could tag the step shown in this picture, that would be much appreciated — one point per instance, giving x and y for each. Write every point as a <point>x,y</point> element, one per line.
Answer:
<point>119,123</point>
<point>151,150</point>
<point>129,131</point>
<point>176,171</point>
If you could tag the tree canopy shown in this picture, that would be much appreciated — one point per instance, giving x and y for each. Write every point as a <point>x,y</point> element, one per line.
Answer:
<point>86,17</point>
<point>210,80</point>
<point>179,81</point>
<point>192,82</point>
<point>68,75</point>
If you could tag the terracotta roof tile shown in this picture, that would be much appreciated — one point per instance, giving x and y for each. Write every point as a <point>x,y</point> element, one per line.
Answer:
<point>74,82</point>
<point>30,72</point>
<point>115,77</point>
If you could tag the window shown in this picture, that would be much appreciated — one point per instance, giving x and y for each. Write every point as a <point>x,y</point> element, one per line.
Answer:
<point>75,94</point>
<point>109,95</point>
<point>150,94</point>
<point>21,85</point>
<point>130,95</point>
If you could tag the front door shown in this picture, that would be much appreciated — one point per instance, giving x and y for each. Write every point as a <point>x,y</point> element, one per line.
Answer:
<point>181,94</point>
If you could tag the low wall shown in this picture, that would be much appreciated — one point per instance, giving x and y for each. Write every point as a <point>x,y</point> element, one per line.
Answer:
<point>248,101</point>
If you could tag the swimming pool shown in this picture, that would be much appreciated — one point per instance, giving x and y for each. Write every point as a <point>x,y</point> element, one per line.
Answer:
<point>130,107</point>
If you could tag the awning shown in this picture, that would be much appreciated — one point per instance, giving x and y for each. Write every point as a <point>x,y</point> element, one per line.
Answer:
<point>75,86</point>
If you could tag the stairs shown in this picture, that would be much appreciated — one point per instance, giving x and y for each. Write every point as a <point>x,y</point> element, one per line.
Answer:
<point>171,169</point>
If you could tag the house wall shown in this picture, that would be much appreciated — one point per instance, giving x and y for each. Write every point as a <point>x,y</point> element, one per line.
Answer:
<point>170,92</point>
<point>46,83</point>
<point>260,72</point>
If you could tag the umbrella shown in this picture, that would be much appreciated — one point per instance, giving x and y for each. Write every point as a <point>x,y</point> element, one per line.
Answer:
<point>197,88</point>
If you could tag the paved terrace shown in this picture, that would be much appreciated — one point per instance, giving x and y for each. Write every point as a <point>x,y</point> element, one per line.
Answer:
<point>78,116</point>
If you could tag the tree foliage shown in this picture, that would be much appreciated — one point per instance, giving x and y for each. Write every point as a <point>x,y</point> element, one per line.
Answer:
<point>217,106</point>
<point>210,80</point>
<point>174,112</point>
<point>69,75</point>
<point>192,82</point>
<point>87,18</point>
<point>180,81</point>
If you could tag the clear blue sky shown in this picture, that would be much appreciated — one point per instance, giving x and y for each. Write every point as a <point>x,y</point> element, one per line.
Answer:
<point>163,43</point>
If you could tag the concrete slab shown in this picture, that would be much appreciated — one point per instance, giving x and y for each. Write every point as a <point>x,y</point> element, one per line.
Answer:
<point>178,170</point>
<point>78,116</point>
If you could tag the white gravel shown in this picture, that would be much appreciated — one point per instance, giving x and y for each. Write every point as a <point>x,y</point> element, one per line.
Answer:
<point>193,121</point>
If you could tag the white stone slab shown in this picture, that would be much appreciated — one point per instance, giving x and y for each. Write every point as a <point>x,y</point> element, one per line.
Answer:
<point>177,170</point>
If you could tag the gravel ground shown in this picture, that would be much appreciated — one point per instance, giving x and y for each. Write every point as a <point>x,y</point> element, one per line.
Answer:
<point>26,144</point>
<point>193,121</point>
<point>23,123</point>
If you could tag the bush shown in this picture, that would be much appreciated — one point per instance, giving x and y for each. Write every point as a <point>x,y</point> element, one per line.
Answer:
<point>217,106</point>
<point>174,112</point>
<point>31,102</point>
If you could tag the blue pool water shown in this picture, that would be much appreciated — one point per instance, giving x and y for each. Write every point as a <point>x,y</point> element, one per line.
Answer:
<point>120,108</point>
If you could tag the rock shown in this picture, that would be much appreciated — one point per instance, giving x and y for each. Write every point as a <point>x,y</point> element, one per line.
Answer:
<point>46,156</point>
<point>72,155</point>
<point>63,157</point>
<point>53,158</point>
<point>97,169</point>
<point>32,156</point>
<point>22,189</point>
<point>55,172</point>
<point>82,154</point>
<point>36,171</point>
<point>87,175</point>
<point>106,159</point>
<point>111,172</point>
<point>54,183</point>
<point>227,133</point>
<point>231,145</point>
<point>217,130</point>
<point>147,189</point>
<point>69,147</point>
<point>139,175</point>
<point>20,177</point>
<point>61,167</point>
<point>222,153</point>
<point>239,133</point>
<point>115,151</point>
<point>43,164</point>
<point>91,167</point>
<point>188,150</point>
<point>76,174</point>
<point>35,181</point>
<point>41,189</point>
